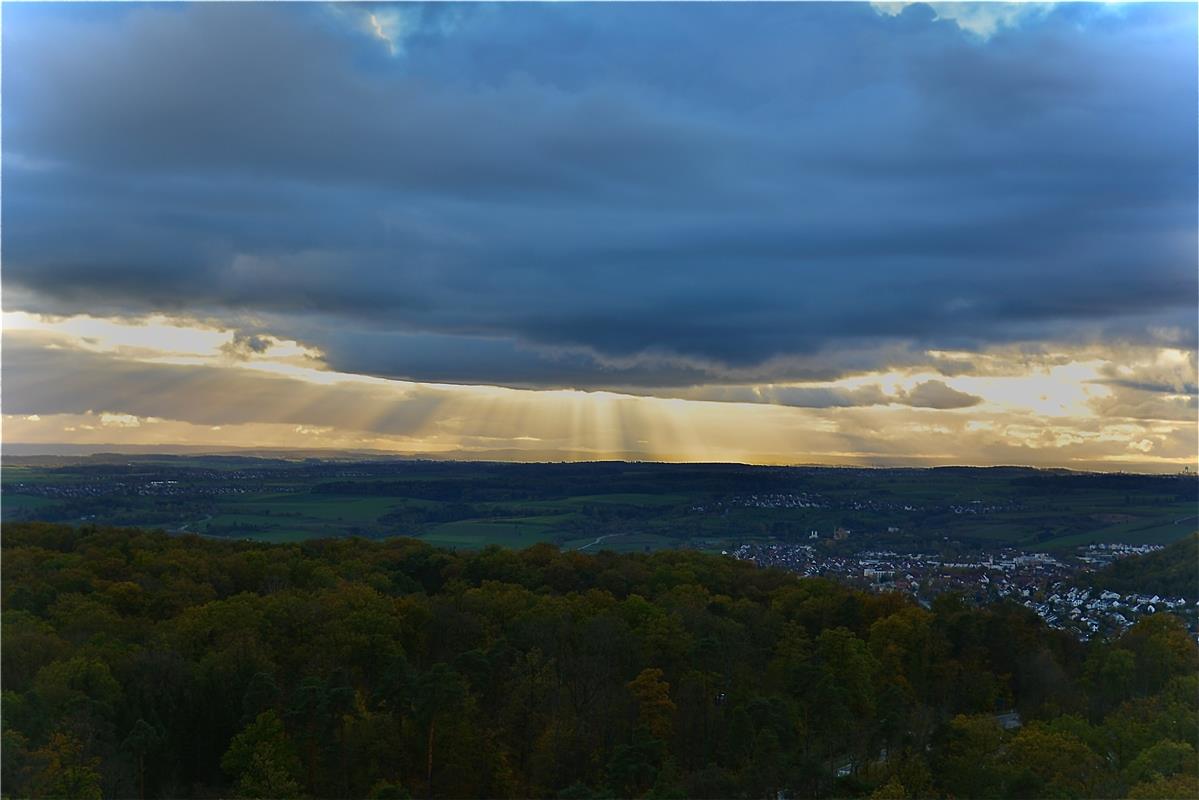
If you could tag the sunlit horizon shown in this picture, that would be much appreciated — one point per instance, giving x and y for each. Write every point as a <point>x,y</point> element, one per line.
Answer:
<point>1044,409</point>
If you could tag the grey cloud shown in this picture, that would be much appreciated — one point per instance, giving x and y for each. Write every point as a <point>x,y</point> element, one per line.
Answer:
<point>794,396</point>
<point>1157,390</point>
<point>1132,403</point>
<point>246,345</point>
<point>1179,376</point>
<point>43,379</point>
<point>535,196</point>
<point>928,394</point>
<point>1153,388</point>
<point>935,394</point>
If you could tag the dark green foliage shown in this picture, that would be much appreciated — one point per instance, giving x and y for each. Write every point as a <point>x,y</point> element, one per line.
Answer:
<point>143,665</point>
<point>1171,572</point>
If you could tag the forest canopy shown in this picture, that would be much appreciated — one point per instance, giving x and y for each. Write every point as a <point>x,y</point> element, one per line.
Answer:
<point>1172,571</point>
<point>138,664</point>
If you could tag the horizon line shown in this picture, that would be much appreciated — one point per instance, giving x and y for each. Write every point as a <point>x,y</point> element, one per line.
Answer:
<point>299,453</point>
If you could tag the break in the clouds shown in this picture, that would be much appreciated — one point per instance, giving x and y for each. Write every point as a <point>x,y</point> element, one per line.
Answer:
<point>99,383</point>
<point>609,195</point>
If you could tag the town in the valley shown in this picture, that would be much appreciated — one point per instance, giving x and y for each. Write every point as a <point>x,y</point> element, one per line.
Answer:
<point>1041,539</point>
<point>1054,586</point>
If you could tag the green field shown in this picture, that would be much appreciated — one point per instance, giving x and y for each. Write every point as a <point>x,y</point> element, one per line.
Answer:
<point>16,502</point>
<point>628,507</point>
<point>1161,532</point>
<point>475,534</point>
<point>639,500</point>
<point>623,543</point>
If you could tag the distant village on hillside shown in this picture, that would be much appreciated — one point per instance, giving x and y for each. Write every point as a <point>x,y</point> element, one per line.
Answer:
<point>1052,586</point>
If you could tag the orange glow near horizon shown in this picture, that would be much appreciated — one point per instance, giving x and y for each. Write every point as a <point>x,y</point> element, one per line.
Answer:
<point>1062,412</point>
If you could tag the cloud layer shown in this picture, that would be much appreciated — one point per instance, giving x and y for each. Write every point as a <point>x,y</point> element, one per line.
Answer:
<point>610,196</point>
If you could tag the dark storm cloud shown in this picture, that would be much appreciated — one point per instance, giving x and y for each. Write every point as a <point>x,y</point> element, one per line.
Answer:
<point>608,195</point>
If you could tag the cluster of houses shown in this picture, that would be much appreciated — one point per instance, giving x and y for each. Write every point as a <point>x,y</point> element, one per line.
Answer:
<point>979,507</point>
<point>867,504</point>
<point>1089,612</point>
<point>1100,555</point>
<point>776,500</point>
<point>1046,584</point>
<point>74,491</point>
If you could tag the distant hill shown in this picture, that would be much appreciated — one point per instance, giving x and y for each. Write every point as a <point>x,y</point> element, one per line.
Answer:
<point>1173,571</point>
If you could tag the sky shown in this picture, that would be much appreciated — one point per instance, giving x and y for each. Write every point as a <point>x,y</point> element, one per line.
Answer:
<point>849,233</point>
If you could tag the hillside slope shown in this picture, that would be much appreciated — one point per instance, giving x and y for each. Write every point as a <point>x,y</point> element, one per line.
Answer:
<point>1171,572</point>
